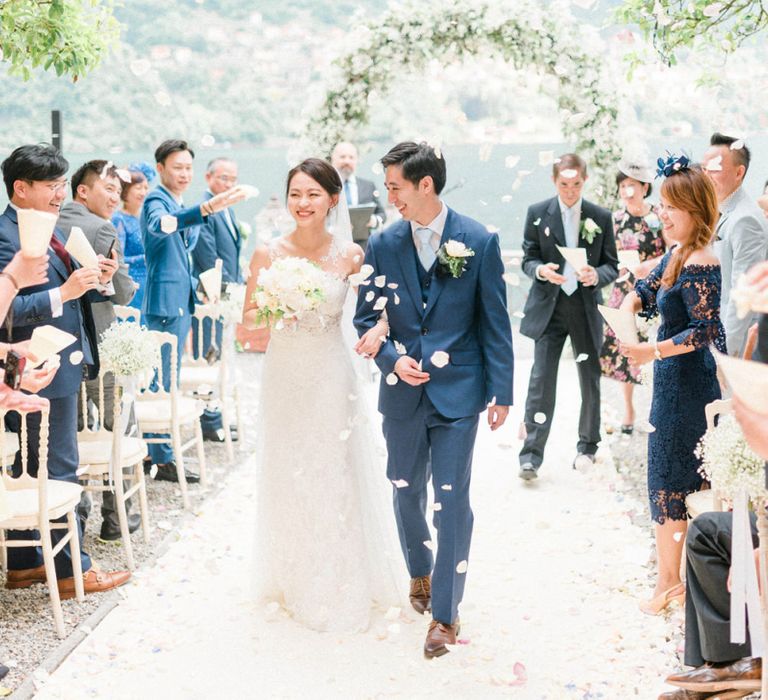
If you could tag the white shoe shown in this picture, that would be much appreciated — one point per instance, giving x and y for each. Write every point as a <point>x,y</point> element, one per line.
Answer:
<point>583,462</point>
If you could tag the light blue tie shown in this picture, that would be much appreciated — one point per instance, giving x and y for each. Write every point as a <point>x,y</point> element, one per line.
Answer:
<point>572,241</point>
<point>347,192</point>
<point>426,254</point>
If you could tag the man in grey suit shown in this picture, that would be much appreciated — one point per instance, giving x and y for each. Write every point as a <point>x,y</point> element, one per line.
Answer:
<point>96,189</point>
<point>742,232</point>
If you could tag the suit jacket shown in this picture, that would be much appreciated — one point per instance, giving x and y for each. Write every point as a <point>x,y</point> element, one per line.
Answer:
<point>465,317</point>
<point>170,289</point>
<point>100,234</point>
<point>216,241</point>
<point>543,232</point>
<point>367,194</point>
<point>741,242</point>
<point>32,308</point>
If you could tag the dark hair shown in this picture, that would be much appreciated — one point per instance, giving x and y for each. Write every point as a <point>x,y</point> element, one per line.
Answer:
<point>33,163</point>
<point>136,177</point>
<point>418,160</point>
<point>88,172</point>
<point>569,161</point>
<point>742,156</point>
<point>321,171</point>
<point>620,177</point>
<point>171,146</point>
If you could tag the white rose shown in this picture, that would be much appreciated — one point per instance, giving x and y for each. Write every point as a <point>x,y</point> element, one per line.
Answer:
<point>456,249</point>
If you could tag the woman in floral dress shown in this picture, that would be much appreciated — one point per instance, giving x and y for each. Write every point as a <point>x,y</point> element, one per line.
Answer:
<point>636,227</point>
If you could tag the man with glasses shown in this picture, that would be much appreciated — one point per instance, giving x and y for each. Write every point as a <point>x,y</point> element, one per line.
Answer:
<point>220,237</point>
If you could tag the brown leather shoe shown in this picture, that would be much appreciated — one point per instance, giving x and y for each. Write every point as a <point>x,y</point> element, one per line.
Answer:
<point>438,635</point>
<point>94,581</point>
<point>24,578</point>
<point>681,694</point>
<point>421,594</point>
<point>744,674</point>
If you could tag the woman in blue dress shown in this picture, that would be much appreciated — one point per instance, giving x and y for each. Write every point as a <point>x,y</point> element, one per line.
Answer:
<point>685,289</point>
<point>126,221</point>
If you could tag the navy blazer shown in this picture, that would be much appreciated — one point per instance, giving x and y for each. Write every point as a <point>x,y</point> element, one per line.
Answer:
<point>217,241</point>
<point>543,232</point>
<point>32,308</point>
<point>170,290</point>
<point>465,317</point>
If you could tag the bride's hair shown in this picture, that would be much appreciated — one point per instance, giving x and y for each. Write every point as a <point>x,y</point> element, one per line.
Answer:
<point>321,171</point>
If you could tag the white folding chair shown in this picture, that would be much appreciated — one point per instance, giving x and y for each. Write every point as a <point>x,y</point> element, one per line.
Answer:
<point>127,313</point>
<point>33,503</point>
<point>166,412</point>
<point>112,456</point>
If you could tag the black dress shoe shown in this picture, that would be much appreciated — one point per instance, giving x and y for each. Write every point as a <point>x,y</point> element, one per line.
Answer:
<point>528,472</point>
<point>214,435</point>
<point>110,531</point>
<point>147,464</point>
<point>167,472</point>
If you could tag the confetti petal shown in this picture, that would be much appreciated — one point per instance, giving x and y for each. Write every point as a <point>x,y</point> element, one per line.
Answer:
<point>169,223</point>
<point>440,358</point>
<point>400,348</point>
<point>381,302</point>
<point>400,483</point>
<point>344,435</point>
<point>370,296</point>
<point>540,418</point>
<point>380,281</point>
<point>429,544</point>
<point>511,161</point>
<point>677,536</point>
<point>447,487</point>
<point>582,356</point>
<point>537,222</point>
<point>392,379</point>
<point>737,145</point>
<point>437,506</point>
<point>76,357</point>
<point>546,231</point>
<point>461,567</point>
<point>569,173</point>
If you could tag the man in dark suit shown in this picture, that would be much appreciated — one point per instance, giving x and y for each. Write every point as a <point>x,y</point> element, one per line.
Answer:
<point>219,238</point>
<point>96,188</point>
<point>562,303</point>
<point>357,190</point>
<point>34,178</point>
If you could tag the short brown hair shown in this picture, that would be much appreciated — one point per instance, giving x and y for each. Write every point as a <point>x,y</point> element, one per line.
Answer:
<point>569,161</point>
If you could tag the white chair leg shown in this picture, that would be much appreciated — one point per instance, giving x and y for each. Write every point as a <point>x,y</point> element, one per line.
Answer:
<point>179,456</point>
<point>50,577</point>
<point>239,414</point>
<point>200,453</point>
<point>143,505</point>
<point>74,549</point>
<point>227,430</point>
<point>3,552</point>
<point>122,518</point>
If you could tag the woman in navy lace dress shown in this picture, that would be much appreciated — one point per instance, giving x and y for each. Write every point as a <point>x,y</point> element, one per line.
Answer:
<point>685,289</point>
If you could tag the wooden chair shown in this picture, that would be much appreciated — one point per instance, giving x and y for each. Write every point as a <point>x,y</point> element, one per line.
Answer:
<point>167,412</point>
<point>100,449</point>
<point>708,500</point>
<point>33,503</point>
<point>197,372</point>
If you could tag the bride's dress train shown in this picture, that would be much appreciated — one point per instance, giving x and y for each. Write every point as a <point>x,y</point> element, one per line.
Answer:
<point>326,544</point>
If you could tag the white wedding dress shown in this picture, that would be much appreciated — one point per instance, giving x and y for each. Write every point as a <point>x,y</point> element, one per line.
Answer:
<point>326,543</point>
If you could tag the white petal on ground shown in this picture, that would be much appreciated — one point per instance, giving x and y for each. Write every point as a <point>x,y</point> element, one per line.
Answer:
<point>440,358</point>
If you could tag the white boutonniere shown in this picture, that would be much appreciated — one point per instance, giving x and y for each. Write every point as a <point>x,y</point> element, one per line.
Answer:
<point>589,229</point>
<point>452,258</point>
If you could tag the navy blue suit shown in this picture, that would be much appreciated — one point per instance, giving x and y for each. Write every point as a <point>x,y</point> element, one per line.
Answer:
<point>432,427</point>
<point>32,308</point>
<point>169,297</point>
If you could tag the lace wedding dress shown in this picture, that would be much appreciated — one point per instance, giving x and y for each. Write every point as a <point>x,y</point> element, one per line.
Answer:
<point>326,544</point>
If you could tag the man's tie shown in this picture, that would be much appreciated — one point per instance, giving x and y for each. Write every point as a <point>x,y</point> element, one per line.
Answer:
<point>572,241</point>
<point>426,254</point>
<point>347,192</point>
<point>59,249</point>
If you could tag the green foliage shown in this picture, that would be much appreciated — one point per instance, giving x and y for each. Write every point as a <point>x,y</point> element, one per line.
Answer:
<point>675,25</point>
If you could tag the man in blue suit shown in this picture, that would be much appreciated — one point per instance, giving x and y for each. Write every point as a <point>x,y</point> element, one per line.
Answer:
<point>170,230</point>
<point>219,238</point>
<point>34,178</point>
<point>447,358</point>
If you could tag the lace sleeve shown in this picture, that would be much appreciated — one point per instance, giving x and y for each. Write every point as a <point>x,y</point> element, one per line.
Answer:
<point>700,290</point>
<point>648,287</point>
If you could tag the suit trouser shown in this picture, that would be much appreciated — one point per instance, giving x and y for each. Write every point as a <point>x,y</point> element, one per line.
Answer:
<point>422,443</point>
<point>569,318</point>
<point>62,465</point>
<point>211,419</point>
<point>708,602</point>
<point>162,453</point>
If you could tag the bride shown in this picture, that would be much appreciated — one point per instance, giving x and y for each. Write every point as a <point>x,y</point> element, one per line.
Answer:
<point>326,547</point>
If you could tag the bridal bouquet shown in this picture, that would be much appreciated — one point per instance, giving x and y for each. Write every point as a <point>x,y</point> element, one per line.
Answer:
<point>126,349</point>
<point>291,286</point>
<point>728,462</point>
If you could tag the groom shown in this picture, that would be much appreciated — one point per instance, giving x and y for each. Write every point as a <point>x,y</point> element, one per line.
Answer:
<point>447,358</point>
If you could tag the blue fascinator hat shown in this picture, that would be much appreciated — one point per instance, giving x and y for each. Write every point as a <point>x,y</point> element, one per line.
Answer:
<point>672,164</point>
<point>144,168</point>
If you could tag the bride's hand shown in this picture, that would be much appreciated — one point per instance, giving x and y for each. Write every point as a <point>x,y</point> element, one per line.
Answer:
<point>370,342</point>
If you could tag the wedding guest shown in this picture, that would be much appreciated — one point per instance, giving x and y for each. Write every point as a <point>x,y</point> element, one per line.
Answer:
<point>357,190</point>
<point>636,226</point>
<point>126,221</point>
<point>169,231</point>
<point>35,178</point>
<point>220,238</point>
<point>96,188</point>
<point>563,303</point>
<point>742,231</point>
<point>685,290</point>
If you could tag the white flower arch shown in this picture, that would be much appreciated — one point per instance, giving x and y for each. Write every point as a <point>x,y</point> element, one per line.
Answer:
<point>524,33</point>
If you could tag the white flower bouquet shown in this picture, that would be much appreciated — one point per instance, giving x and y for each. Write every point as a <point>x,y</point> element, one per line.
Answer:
<point>126,349</point>
<point>288,288</point>
<point>230,306</point>
<point>729,463</point>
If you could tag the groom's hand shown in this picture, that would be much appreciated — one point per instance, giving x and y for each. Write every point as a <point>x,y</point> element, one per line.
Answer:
<point>409,371</point>
<point>497,415</point>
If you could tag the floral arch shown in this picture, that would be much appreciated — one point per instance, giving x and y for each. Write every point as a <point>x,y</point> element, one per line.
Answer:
<point>522,32</point>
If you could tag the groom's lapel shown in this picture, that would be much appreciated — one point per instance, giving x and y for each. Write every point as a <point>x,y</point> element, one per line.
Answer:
<point>451,232</point>
<point>407,260</point>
